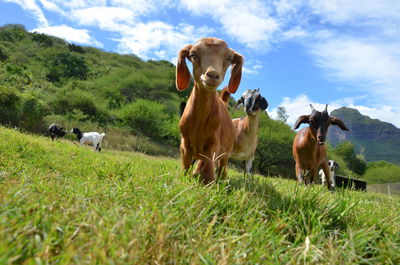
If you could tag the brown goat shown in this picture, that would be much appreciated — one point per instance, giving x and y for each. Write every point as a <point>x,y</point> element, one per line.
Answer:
<point>308,146</point>
<point>246,129</point>
<point>206,127</point>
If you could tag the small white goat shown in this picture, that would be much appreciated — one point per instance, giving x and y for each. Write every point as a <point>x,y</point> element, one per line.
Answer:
<point>332,167</point>
<point>90,138</point>
<point>246,129</point>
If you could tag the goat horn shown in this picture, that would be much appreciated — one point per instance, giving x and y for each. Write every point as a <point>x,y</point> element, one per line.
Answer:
<point>312,108</point>
<point>326,107</point>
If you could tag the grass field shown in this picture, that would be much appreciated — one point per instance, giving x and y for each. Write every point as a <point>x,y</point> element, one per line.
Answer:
<point>61,204</point>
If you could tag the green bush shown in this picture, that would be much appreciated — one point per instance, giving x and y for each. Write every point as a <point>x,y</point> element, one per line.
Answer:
<point>68,65</point>
<point>145,117</point>
<point>3,56</point>
<point>76,48</point>
<point>9,106</point>
<point>32,113</point>
<point>42,39</point>
<point>382,172</point>
<point>13,32</point>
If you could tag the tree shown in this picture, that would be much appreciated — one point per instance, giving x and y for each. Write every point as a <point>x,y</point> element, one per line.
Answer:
<point>347,152</point>
<point>282,114</point>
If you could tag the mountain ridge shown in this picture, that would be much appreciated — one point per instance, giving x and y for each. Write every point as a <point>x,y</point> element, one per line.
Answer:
<point>375,139</point>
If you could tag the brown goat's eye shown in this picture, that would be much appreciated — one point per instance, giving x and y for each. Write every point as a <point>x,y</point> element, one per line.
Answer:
<point>193,56</point>
<point>229,60</point>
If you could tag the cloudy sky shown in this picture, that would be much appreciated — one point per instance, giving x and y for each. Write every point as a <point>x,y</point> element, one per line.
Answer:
<point>340,52</point>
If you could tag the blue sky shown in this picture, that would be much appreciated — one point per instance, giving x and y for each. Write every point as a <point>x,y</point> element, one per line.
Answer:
<point>340,52</point>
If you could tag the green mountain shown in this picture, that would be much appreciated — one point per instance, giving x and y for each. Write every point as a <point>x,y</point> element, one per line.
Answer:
<point>374,139</point>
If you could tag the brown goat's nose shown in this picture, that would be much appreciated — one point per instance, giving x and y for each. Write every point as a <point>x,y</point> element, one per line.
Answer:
<point>213,74</point>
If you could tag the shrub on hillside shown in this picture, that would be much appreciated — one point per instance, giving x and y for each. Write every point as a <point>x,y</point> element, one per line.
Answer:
<point>76,48</point>
<point>32,113</point>
<point>68,65</point>
<point>42,39</point>
<point>145,117</point>
<point>12,32</point>
<point>3,56</point>
<point>382,172</point>
<point>9,106</point>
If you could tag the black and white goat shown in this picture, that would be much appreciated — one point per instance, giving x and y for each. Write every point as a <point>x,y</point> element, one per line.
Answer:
<point>56,131</point>
<point>89,138</point>
<point>246,129</point>
<point>332,167</point>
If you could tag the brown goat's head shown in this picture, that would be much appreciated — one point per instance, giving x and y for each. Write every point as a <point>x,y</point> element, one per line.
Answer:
<point>210,57</point>
<point>252,101</point>
<point>319,123</point>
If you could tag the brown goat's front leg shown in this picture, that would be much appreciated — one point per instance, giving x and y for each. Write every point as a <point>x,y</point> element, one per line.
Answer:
<point>325,168</point>
<point>299,174</point>
<point>186,155</point>
<point>221,172</point>
<point>205,170</point>
<point>313,176</point>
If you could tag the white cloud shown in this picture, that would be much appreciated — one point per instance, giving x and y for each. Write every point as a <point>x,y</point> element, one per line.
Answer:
<point>143,7</point>
<point>247,21</point>
<point>155,39</point>
<point>51,6</point>
<point>254,69</point>
<point>76,4</point>
<point>294,33</point>
<point>367,66</point>
<point>300,105</point>
<point>70,34</point>
<point>32,7</point>
<point>344,11</point>
<point>106,18</point>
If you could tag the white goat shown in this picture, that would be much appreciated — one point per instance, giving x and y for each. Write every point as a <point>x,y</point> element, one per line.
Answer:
<point>246,129</point>
<point>90,138</point>
<point>332,167</point>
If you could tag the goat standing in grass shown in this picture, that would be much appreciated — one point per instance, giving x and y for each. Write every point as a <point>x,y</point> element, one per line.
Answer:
<point>90,138</point>
<point>56,131</point>
<point>308,146</point>
<point>332,167</point>
<point>246,129</point>
<point>206,127</point>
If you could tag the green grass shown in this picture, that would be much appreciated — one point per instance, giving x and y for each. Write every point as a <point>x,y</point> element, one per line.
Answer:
<point>62,204</point>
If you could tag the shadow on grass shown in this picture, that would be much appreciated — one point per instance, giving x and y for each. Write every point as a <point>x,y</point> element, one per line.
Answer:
<point>306,210</point>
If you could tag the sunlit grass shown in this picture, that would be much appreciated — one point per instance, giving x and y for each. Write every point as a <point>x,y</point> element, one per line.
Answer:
<point>64,204</point>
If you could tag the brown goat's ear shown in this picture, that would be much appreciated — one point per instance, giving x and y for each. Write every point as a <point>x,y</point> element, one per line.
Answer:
<point>300,120</point>
<point>338,122</point>
<point>182,72</point>
<point>236,73</point>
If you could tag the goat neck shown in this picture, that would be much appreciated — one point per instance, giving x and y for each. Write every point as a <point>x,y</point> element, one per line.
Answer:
<point>202,108</point>
<point>251,122</point>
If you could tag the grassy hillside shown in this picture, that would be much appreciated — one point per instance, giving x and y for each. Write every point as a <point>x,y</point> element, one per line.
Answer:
<point>61,204</point>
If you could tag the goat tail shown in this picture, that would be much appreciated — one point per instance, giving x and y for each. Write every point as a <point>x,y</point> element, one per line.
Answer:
<point>225,95</point>
<point>102,135</point>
